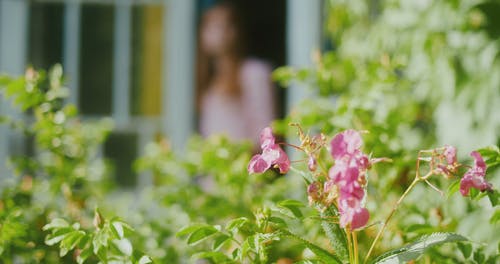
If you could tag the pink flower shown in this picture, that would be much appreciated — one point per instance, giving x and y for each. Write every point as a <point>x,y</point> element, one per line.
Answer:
<point>272,155</point>
<point>352,213</point>
<point>345,143</point>
<point>449,169</point>
<point>348,176</point>
<point>474,177</point>
<point>266,138</point>
<point>450,152</point>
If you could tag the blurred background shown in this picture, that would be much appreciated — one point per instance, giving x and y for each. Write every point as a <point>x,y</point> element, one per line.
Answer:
<point>134,60</point>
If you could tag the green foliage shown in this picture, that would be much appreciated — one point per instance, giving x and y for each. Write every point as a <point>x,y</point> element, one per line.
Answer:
<point>60,178</point>
<point>417,248</point>
<point>335,234</point>
<point>106,243</point>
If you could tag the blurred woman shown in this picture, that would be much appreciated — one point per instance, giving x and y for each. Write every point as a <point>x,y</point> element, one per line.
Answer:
<point>235,93</point>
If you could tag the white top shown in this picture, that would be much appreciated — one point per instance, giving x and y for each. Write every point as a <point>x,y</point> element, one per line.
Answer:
<point>244,116</point>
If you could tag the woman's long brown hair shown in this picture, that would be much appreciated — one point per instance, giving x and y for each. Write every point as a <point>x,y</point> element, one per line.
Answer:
<point>205,64</point>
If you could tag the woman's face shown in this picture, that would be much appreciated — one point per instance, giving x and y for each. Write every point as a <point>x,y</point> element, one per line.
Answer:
<point>217,33</point>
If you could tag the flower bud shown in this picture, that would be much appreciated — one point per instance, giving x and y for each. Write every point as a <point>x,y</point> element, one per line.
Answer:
<point>313,192</point>
<point>98,222</point>
<point>312,164</point>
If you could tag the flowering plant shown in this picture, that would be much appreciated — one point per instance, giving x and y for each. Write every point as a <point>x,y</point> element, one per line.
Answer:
<point>339,194</point>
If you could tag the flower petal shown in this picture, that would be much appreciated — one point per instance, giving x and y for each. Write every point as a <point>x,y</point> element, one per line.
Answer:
<point>479,162</point>
<point>258,165</point>
<point>266,138</point>
<point>345,143</point>
<point>283,161</point>
<point>360,218</point>
<point>450,152</point>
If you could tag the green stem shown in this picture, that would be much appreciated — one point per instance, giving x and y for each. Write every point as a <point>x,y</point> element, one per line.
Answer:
<point>355,247</point>
<point>349,245</point>
<point>415,181</point>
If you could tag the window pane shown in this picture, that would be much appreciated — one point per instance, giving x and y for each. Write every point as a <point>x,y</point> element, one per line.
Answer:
<point>147,60</point>
<point>45,34</point>
<point>121,149</point>
<point>96,59</point>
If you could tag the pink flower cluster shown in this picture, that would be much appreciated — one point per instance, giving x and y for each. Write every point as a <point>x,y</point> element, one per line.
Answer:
<point>272,155</point>
<point>450,154</point>
<point>474,177</point>
<point>347,177</point>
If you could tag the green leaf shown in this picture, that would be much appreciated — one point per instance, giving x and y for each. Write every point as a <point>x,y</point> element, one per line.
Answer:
<point>214,256</point>
<point>280,222</point>
<point>57,235</point>
<point>201,234</point>
<point>453,188</point>
<point>419,228</point>
<point>190,229</point>
<point>219,241</point>
<point>100,240</point>
<point>321,253</point>
<point>144,260</point>
<point>309,261</point>
<point>70,241</point>
<point>117,229</point>
<point>417,248</point>
<point>293,206</point>
<point>124,246</point>
<point>491,155</point>
<point>494,197</point>
<point>466,249</point>
<point>335,234</point>
<point>495,217</point>
<point>236,254</point>
<point>237,223</point>
<point>55,223</point>
<point>84,255</point>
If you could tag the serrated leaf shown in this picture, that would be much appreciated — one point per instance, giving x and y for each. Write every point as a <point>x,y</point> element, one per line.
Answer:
<point>201,234</point>
<point>335,234</point>
<point>417,248</point>
<point>321,253</point>
<point>293,206</point>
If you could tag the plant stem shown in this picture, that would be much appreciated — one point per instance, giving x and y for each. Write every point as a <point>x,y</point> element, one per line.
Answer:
<point>348,235</point>
<point>355,246</point>
<point>415,181</point>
